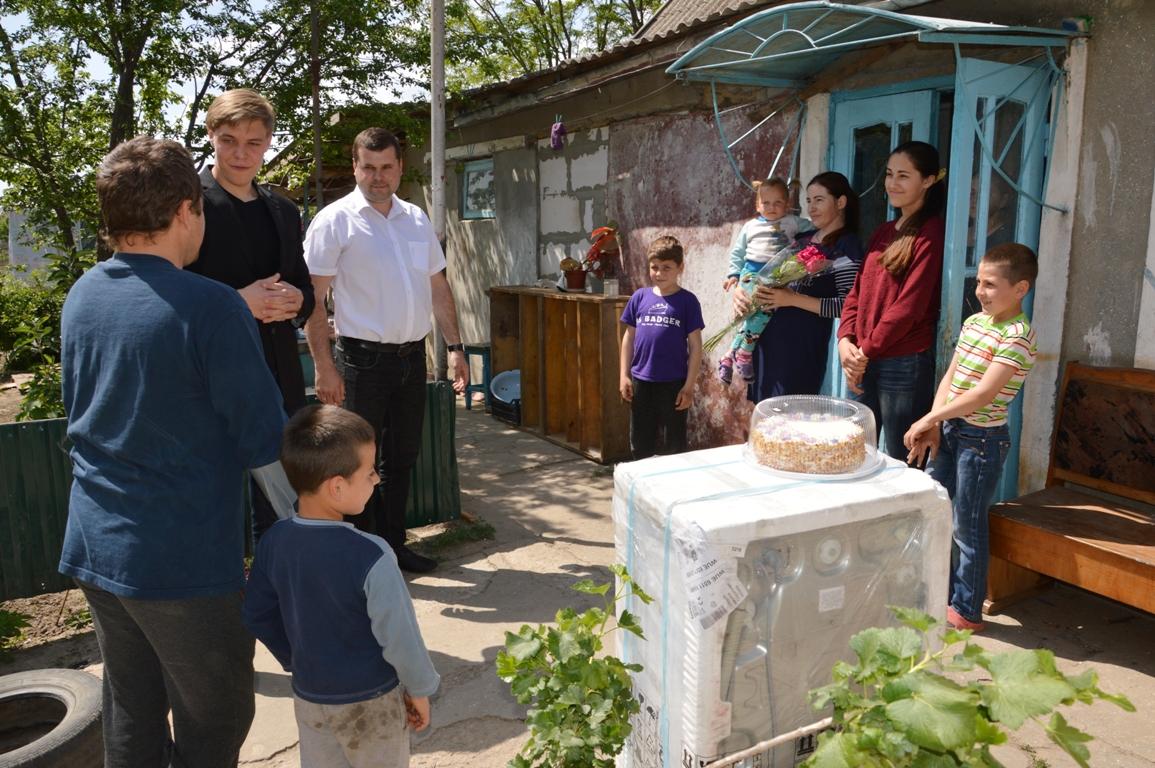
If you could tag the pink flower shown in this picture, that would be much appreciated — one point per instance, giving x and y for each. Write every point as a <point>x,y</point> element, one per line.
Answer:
<point>813,259</point>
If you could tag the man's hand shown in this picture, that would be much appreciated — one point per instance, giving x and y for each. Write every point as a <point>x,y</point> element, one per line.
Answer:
<point>329,385</point>
<point>685,398</point>
<point>626,387</point>
<point>271,300</point>
<point>460,371</point>
<point>417,711</point>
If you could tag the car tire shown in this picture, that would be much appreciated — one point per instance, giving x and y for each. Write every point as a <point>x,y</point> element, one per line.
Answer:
<point>50,718</point>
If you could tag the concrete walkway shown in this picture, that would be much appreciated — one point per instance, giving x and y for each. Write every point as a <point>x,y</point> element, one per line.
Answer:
<point>551,512</point>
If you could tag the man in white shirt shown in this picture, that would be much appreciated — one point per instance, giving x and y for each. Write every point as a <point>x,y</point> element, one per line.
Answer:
<point>381,256</point>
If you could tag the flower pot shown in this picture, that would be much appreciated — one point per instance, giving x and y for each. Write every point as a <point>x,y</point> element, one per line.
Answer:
<point>575,279</point>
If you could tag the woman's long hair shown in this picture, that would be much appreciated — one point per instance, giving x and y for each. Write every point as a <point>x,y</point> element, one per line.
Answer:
<point>838,186</point>
<point>896,258</point>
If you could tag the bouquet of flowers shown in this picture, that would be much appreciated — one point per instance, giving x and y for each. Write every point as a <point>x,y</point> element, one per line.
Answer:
<point>787,266</point>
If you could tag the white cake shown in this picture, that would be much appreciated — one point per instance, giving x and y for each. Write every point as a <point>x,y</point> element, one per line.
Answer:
<point>814,445</point>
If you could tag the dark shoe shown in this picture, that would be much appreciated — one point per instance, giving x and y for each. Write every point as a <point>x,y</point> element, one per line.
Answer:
<point>408,560</point>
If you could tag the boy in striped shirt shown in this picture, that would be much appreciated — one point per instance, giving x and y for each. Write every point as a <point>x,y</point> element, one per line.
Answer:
<point>965,434</point>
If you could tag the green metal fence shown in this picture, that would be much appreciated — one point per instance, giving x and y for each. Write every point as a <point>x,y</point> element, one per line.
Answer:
<point>35,476</point>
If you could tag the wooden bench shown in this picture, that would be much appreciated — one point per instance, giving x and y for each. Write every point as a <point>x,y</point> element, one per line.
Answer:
<point>1093,525</point>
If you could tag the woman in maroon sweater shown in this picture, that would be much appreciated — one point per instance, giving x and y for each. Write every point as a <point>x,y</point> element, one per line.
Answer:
<point>889,319</point>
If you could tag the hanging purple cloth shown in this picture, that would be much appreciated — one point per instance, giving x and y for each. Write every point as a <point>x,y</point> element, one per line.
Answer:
<point>557,135</point>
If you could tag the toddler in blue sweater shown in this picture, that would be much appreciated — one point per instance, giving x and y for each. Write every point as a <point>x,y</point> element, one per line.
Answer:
<point>331,605</point>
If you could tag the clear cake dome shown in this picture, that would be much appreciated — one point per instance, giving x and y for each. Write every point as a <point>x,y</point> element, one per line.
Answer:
<point>815,435</point>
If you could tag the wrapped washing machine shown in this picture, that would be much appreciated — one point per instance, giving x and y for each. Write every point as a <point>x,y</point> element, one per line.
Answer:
<point>759,581</point>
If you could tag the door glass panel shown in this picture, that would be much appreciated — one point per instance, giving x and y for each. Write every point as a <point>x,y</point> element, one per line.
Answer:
<point>871,149</point>
<point>994,202</point>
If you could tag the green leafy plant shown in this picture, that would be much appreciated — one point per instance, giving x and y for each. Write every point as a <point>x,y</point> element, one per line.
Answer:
<point>903,704</point>
<point>12,625</point>
<point>580,701</point>
<point>81,619</point>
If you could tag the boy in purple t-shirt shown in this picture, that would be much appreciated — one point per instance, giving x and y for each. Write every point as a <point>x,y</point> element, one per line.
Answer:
<point>661,353</point>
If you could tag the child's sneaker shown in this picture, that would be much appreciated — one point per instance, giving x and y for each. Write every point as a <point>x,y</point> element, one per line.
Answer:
<point>744,365</point>
<point>726,370</point>
<point>956,620</point>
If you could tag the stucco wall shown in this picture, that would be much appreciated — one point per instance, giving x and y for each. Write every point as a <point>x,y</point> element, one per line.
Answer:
<point>485,252</point>
<point>1116,165</point>
<point>669,175</point>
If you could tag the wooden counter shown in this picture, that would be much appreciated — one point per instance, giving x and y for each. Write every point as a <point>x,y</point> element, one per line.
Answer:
<point>567,346</point>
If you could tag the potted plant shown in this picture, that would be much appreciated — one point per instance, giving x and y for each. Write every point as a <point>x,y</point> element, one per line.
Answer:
<point>573,274</point>
<point>580,701</point>
<point>603,258</point>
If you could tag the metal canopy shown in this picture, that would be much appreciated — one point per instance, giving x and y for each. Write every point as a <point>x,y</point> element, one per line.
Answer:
<point>788,46</point>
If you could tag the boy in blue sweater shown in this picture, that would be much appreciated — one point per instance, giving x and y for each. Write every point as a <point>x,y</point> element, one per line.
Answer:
<point>331,605</point>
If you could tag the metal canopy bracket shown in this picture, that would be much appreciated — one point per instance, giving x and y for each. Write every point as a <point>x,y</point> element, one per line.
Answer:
<point>789,46</point>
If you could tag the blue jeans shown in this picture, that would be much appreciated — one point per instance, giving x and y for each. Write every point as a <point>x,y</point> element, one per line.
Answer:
<point>898,390</point>
<point>385,385</point>
<point>192,656</point>
<point>969,463</point>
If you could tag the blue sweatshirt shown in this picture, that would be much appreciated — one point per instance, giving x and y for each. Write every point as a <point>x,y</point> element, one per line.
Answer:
<point>169,401</point>
<point>331,605</point>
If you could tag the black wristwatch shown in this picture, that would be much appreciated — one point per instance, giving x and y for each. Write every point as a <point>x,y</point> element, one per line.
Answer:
<point>454,347</point>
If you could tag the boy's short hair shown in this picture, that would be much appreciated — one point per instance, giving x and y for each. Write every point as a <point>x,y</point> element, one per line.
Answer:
<point>240,105</point>
<point>665,248</point>
<point>774,182</point>
<point>1018,262</point>
<point>321,442</point>
<point>141,184</point>
<point>375,140</point>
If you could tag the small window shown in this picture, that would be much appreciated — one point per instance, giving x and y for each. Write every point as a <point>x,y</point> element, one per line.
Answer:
<point>478,198</point>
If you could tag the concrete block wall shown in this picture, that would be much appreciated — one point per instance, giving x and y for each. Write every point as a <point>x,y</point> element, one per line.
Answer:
<point>572,195</point>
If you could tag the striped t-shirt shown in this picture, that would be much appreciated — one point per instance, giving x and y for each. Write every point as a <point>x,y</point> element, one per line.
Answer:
<point>983,340</point>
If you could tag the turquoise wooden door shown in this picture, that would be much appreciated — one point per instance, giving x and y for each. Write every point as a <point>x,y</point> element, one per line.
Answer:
<point>997,167</point>
<point>863,133</point>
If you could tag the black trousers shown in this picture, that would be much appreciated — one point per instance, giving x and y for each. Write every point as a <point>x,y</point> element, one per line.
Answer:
<point>192,657</point>
<point>385,385</point>
<point>656,426</point>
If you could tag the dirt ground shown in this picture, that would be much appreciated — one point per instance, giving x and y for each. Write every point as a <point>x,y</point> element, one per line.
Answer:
<point>9,401</point>
<point>59,633</point>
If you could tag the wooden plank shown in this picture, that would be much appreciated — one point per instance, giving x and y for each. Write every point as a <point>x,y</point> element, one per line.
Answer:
<point>1124,530</point>
<point>572,404</point>
<point>530,346</point>
<point>615,416</point>
<point>1074,561</point>
<point>504,331</point>
<point>1007,583</point>
<point>554,344</point>
<point>590,366</point>
<point>1105,431</point>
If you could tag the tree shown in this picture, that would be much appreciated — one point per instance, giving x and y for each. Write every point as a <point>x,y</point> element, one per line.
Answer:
<point>504,39</point>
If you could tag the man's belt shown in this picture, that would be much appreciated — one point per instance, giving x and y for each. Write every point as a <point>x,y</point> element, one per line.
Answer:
<point>401,350</point>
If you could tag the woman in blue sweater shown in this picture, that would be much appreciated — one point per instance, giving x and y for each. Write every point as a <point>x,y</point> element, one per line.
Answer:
<point>790,358</point>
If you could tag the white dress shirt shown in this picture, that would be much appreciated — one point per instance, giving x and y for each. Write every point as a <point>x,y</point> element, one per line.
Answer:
<point>381,267</point>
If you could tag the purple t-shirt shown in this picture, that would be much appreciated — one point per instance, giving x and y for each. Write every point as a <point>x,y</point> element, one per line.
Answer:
<point>662,323</point>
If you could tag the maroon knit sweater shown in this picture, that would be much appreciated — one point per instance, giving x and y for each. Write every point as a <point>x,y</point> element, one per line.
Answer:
<point>889,316</point>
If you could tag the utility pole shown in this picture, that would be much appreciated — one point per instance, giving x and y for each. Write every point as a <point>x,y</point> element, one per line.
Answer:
<point>315,74</point>
<point>437,154</point>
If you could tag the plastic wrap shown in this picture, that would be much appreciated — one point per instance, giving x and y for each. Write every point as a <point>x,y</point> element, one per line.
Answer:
<point>759,582</point>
